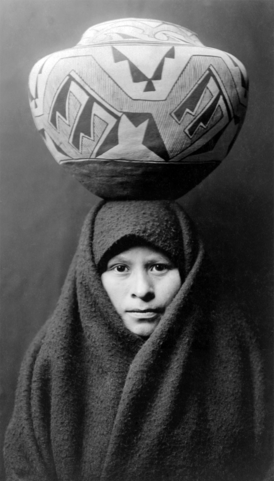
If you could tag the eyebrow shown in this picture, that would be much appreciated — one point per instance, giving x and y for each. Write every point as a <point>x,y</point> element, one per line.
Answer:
<point>154,259</point>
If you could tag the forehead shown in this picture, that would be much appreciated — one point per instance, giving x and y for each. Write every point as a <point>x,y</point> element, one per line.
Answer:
<point>140,253</point>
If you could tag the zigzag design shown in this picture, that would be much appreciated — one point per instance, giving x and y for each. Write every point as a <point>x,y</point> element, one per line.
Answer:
<point>80,122</point>
<point>191,104</point>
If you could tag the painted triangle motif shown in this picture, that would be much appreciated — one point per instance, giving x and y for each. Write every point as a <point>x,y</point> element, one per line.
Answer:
<point>149,136</point>
<point>137,75</point>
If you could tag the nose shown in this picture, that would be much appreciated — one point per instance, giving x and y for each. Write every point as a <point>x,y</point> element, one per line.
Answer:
<point>142,286</point>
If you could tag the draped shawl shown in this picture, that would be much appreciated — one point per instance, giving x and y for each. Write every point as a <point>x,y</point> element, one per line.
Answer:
<point>95,402</point>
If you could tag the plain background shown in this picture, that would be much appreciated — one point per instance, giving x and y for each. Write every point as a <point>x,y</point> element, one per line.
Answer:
<point>42,208</point>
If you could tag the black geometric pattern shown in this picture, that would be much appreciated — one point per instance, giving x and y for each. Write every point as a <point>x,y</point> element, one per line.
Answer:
<point>61,103</point>
<point>244,82</point>
<point>43,133</point>
<point>192,100</point>
<point>137,75</point>
<point>36,95</point>
<point>210,145</point>
<point>56,146</point>
<point>126,37</point>
<point>59,149</point>
<point>206,104</point>
<point>152,139</point>
<point>83,124</point>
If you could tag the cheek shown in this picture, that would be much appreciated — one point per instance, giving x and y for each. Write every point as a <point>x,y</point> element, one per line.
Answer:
<point>169,287</point>
<point>114,290</point>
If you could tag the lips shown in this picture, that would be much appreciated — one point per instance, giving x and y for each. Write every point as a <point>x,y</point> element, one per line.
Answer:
<point>145,314</point>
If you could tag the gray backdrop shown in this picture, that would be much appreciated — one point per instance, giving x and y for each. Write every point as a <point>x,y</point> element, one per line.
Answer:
<point>42,209</point>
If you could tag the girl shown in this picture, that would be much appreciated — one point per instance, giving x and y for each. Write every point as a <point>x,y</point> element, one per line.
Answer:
<point>143,372</point>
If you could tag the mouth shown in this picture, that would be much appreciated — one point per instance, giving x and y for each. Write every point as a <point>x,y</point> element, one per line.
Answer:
<point>145,313</point>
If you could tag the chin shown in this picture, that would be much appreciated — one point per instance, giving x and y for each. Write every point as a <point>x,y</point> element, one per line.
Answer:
<point>144,330</point>
<point>140,327</point>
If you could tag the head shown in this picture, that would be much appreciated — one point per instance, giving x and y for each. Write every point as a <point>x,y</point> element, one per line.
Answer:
<point>141,283</point>
<point>139,256</point>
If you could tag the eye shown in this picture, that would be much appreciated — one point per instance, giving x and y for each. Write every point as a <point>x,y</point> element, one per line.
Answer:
<point>120,268</point>
<point>160,267</point>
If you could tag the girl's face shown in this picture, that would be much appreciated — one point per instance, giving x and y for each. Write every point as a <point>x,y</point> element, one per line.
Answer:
<point>141,282</point>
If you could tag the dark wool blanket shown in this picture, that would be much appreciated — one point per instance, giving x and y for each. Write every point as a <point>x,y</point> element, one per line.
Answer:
<point>98,403</point>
